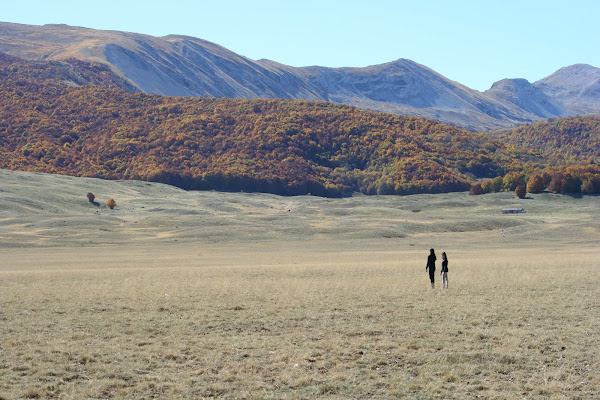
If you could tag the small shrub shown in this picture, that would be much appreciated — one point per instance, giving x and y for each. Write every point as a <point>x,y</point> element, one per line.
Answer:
<point>520,191</point>
<point>111,203</point>
<point>91,197</point>
<point>476,189</point>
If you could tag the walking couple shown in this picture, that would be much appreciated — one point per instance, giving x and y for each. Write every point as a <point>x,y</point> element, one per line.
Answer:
<point>431,268</point>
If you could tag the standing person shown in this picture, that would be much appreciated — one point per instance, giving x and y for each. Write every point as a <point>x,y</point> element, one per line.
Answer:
<point>444,272</point>
<point>431,267</point>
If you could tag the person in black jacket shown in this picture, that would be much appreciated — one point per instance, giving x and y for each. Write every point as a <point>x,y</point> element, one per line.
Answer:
<point>431,267</point>
<point>444,271</point>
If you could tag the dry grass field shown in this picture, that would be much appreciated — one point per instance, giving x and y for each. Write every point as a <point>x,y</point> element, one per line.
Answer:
<point>189,295</point>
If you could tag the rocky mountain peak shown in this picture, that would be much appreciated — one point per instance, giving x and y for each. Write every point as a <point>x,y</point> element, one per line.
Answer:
<point>576,86</point>
<point>511,84</point>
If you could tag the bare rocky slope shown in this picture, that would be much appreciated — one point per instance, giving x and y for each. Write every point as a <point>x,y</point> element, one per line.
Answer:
<point>186,66</point>
<point>576,87</point>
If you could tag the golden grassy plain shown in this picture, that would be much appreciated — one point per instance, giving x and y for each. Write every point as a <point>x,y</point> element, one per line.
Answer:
<point>179,294</point>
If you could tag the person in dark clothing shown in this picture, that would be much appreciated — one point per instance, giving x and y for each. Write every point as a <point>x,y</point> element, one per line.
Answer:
<point>444,271</point>
<point>431,267</point>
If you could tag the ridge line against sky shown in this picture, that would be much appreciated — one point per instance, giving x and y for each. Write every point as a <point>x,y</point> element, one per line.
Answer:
<point>475,43</point>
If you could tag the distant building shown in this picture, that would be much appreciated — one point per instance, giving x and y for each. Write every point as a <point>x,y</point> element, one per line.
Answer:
<point>512,210</point>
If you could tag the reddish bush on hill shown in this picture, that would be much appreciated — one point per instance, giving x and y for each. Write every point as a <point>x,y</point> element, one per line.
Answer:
<point>111,203</point>
<point>536,184</point>
<point>476,189</point>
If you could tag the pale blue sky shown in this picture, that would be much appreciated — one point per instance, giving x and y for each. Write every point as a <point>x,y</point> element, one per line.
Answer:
<point>473,42</point>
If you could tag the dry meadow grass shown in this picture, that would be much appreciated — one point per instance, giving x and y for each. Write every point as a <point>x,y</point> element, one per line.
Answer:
<point>335,304</point>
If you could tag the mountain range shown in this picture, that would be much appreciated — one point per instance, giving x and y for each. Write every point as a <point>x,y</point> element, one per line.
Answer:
<point>78,118</point>
<point>176,65</point>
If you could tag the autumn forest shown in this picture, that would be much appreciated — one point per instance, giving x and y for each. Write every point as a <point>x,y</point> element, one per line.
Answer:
<point>80,119</point>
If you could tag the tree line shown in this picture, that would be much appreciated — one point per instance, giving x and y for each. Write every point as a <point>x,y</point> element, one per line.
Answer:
<point>566,179</point>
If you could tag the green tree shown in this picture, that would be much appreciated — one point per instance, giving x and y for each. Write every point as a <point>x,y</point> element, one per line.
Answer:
<point>498,183</point>
<point>488,186</point>
<point>571,184</point>
<point>512,180</point>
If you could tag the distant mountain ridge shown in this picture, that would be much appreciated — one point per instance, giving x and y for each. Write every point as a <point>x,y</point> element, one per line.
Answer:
<point>177,65</point>
<point>577,87</point>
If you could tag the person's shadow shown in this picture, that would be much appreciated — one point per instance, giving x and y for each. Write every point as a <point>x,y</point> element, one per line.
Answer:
<point>95,203</point>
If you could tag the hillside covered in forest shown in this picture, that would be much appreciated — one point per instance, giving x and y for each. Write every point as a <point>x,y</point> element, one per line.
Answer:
<point>563,138</point>
<point>275,146</point>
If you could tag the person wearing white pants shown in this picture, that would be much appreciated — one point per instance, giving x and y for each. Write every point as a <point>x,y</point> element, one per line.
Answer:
<point>444,271</point>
